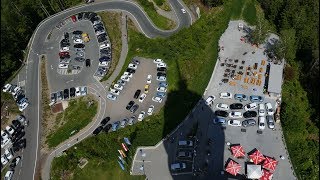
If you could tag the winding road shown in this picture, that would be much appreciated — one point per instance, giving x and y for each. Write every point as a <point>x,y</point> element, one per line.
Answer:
<point>38,45</point>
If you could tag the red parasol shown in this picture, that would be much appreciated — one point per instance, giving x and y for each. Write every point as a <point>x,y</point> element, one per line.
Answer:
<point>237,151</point>
<point>270,163</point>
<point>233,167</point>
<point>266,175</point>
<point>257,157</point>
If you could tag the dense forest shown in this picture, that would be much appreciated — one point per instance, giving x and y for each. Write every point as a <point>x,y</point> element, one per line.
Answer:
<point>19,18</point>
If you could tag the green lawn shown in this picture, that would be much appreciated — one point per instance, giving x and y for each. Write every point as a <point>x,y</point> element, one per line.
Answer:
<point>75,117</point>
<point>112,23</point>
<point>160,21</point>
<point>249,12</point>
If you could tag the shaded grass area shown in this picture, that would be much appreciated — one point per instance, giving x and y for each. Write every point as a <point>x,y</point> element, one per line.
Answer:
<point>160,21</point>
<point>13,110</point>
<point>112,23</point>
<point>190,56</point>
<point>74,118</point>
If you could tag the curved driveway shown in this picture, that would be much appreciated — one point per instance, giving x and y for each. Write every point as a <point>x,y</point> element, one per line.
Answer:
<point>38,46</point>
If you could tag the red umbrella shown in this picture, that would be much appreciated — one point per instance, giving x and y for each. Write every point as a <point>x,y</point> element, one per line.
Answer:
<point>237,151</point>
<point>233,167</point>
<point>270,163</point>
<point>257,157</point>
<point>266,175</point>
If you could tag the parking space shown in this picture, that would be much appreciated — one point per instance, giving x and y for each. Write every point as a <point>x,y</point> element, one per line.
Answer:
<point>124,91</point>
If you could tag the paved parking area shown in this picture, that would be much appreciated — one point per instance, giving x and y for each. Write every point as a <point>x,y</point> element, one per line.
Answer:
<point>117,109</point>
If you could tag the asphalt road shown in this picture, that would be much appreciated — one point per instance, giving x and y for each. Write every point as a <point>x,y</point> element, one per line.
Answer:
<point>39,45</point>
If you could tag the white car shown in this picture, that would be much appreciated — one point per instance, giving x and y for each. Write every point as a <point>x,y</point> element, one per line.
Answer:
<point>8,154</point>
<point>161,65</point>
<point>10,130</point>
<point>150,110</point>
<point>128,74</point>
<point>132,66</point>
<point>104,63</point>
<point>118,87</point>
<point>78,93</point>
<point>261,110</point>
<point>161,78</point>
<point>6,87</point>
<point>142,97</point>
<point>162,89</point>
<point>141,116</point>
<point>115,92</point>
<point>149,78</point>
<point>63,66</point>
<point>77,41</point>
<point>125,78</point>
<point>233,122</point>
<point>158,61</point>
<point>225,95</point>
<point>210,100</point>
<point>157,99</point>
<point>163,84</point>
<point>4,160</point>
<point>104,45</point>
<point>64,49</point>
<point>235,114</point>
<point>111,97</point>
<point>183,11</point>
<point>250,106</point>
<point>262,122</point>
<point>131,120</point>
<point>4,135</point>
<point>8,175</point>
<point>269,108</point>
<point>222,106</point>
<point>4,142</point>
<point>23,106</point>
<point>83,90</point>
<point>15,90</point>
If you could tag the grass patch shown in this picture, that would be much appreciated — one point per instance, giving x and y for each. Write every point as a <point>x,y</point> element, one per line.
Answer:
<point>237,9</point>
<point>13,110</point>
<point>112,24</point>
<point>75,117</point>
<point>160,21</point>
<point>249,13</point>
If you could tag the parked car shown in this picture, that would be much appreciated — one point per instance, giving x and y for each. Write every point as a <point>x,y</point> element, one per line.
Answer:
<point>77,91</point>
<point>136,94</point>
<point>107,128</point>
<point>134,108</point>
<point>149,78</point>
<point>16,124</point>
<point>118,87</point>
<point>225,95</point>
<point>270,121</point>
<point>150,110</point>
<point>161,94</point>
<point>10,130</point>
<point>104,121</point>
<point>9,175</point>
<point>233,122</point>
<point>129,105</point>
<point>6,88</point>
<point>183,153</point>
<point>235,114</point>
<point>15,162</point>
<point>185,143</point>
<point>60,95</point>
<point>256,98</point>
<point>4,159</point>
<point>132,66</point>
<point>222,106</point>
<point>97,130</point>
<point>157,99</point>
<point>163,84</point>
<point>240,97</point>
<point>162,69</point>
<point>161,65</point>
<point>161,74</point>
<point>79,46</point>
<point>157,61</point>
<point>141,115</point>
<point>72,92</point>
<point>66,94</point>
<point>236,106</point>
<point>248,122</point>
<point>250,106</point>
<point>269,109</point>
<point>162,89</point>
<point>221,113</point>
<point>161,78</point>
<point>135,61</point>
<point>123,123</point>
<point>111,97</point>
<point>8,153</point>
<point>219,120</point>
<point>114,92</point>
<point>146,88</point>
<point>262,121</point>
<point>261,110</point>
<point>210,100</point>
<point>131,120</point>
<point>178,166</point>
<point>142,97</point>
<point>250,114</point>
<point>22,119</point>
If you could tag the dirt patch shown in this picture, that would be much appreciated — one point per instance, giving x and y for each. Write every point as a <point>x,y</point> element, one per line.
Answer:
<point>56,108</point>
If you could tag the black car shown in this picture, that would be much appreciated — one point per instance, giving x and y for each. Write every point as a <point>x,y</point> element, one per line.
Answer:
<point>66,35</point>
<point>92,15</point>
<point>77,32</point>
<point>236,106</point>
<point>80,16</point>
<point>79,46</point>
<point>88,63</point>
<point>161,69</point>
<point>14,162</point>
<point>250,114</point>
<point>72,92</point>
<point>221,113</point>
<point>135,61</point>
<point>130,70</point>
<point>105,121</point>
<point>21,96</point>
<point>101,39</point>
<point>130,104</point>
<point>104,58</point>
<point>97,130</point>
<point>107,128</point>
<point>86,15</point>
<point>134,108</point>
<point>16,124</point>
<point>20,144</point>
<point>248,122</point>
<point>137,94</point>
<point>161,74</point>
<point>66,94</point>
<point>18,136</point>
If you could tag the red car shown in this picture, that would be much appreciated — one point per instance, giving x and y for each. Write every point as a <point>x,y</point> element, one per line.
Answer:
<point>63,53</point>
<point>74,18</point>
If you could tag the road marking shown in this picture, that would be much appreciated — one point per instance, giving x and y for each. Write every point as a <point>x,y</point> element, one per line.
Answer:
<point>141,161</point>
<point>22,83</point>
<point>35,162</point>
<point>69,81</point>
